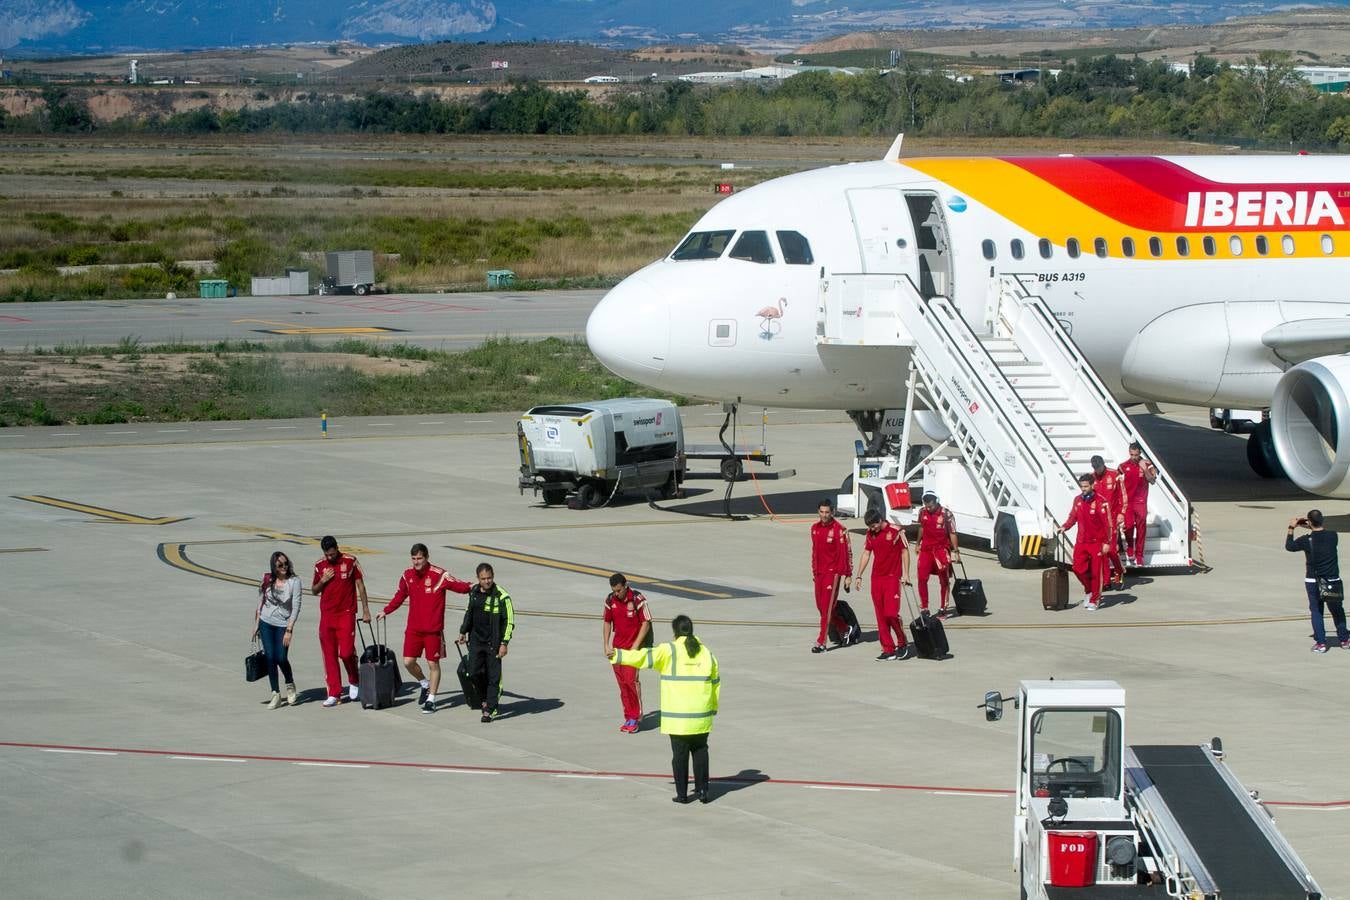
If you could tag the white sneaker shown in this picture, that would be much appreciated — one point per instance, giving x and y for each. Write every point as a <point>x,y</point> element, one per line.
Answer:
<point>1090,606</point>
<point>275,702</point>
<point>352,693</point>
<point>331,701</point>
<point>291,698</point>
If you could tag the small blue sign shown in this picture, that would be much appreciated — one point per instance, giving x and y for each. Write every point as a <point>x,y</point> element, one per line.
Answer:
<point>956,203</point>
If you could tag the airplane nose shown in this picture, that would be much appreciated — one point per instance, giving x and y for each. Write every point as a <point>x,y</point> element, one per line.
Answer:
<point>629,330</point>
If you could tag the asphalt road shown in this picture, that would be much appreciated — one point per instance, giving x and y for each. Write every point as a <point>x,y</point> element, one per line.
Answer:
<point>439,321</point>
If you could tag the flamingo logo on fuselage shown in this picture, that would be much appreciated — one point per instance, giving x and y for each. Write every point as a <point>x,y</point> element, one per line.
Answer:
<point>770,320</point>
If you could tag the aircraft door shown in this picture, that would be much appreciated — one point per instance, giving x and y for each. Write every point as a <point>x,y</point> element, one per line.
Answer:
<point>885,234</point>
<point>932,244</point>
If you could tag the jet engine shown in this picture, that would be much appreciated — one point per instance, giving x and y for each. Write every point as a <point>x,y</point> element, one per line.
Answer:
<point>1310,425</point>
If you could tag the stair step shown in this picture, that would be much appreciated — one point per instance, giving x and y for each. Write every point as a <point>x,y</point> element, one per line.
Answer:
<point>1040,392</point>
<point>1018,362</point>
<point>1087,444</point>
<point>1072,418</point>
<point>1040,406</point>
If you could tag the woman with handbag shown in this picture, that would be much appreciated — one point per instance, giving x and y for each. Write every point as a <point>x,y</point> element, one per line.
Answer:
<point>274,622</point>
<point>1321,577</point>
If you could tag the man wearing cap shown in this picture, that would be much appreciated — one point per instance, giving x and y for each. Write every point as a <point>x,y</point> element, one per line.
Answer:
<point>937,547</point>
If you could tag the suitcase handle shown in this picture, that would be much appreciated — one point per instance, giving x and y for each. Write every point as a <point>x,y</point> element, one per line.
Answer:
<point>908,591</point>
<point>382,644</point>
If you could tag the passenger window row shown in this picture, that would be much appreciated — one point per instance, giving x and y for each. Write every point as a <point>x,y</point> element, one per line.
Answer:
<point>1208,245</point>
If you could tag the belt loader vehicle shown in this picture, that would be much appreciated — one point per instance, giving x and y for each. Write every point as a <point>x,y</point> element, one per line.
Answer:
<point>1098,820</point>
<point>597,450</point>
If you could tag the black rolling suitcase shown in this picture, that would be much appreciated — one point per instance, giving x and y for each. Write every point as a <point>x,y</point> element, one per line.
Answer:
<point>380,680</point>
<point>930,637</point>
<point>845,612</point>
<point>968,593</point>
<point>472,699</point>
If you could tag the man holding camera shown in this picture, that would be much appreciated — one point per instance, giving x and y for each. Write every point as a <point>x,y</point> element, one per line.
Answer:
<point>1321,577</point>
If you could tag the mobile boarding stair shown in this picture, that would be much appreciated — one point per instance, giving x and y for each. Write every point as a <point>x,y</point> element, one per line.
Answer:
<point>1204,835</point>
<point>1024,412</point>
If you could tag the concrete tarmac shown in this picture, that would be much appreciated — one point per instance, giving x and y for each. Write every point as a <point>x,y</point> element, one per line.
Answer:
<point>136,762</point>
<point>437,321</point>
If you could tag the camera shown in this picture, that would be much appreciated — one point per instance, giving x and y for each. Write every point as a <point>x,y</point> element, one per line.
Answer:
<point>1302,522</point>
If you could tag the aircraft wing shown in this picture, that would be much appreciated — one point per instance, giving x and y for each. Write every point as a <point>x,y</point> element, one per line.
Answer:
<point>1305,339</point>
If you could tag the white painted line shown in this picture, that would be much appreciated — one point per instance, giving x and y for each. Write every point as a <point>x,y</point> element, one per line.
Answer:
<point>968,794</point>
<point>480,421</point>
<point>284,427</point>
<point>209,759</point>
<point>83,752</point>
<point>334,765</point>
<point>227,429</point>
<point>64,433</point>
<point>430,423</point>
<point>121,432</point>
<point>378,424</point>
<point>171,431</point>
<point>839,787</point>
<point>592,777</point>
<point>460,772</point>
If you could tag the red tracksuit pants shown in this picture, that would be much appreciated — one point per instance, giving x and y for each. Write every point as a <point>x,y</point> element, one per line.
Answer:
<point>1089,564</point>
<point>337,640</point>
<point>886,604</point>
<point>1136,529</point>
<point>630,692</point>
<point>827,591</point>
<point>933,562</point>
<point>1117,567</point>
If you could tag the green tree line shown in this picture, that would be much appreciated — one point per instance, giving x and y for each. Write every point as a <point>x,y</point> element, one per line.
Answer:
<point>1263,101</point>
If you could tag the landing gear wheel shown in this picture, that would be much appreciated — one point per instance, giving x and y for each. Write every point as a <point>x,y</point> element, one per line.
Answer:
<point>586,496</point>
<point>1261,455</point>
<point>554,496</point>
<point>1009,544</point>
<point>731,468</point>
<point>361,290</point>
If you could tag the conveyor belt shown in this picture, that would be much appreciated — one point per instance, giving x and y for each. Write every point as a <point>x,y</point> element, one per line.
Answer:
<point>1218,825</point>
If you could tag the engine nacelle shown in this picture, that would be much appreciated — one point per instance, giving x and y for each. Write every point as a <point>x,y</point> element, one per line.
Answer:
<point>1310,425</point>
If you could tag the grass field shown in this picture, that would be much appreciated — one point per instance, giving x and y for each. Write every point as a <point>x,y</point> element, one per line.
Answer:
<point>79,385</point>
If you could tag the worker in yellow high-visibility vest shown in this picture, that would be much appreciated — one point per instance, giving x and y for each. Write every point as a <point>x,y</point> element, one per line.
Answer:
<point>690,688</point>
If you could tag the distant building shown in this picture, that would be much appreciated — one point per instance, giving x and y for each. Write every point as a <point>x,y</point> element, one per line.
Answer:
<point>1019,76</point>
<point>602,79</point>
<point>761,73</point>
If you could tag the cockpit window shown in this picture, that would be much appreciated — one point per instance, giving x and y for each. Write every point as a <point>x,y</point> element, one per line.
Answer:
<point>753,246</point>
<point>703,245</point>
<point>796,249</point>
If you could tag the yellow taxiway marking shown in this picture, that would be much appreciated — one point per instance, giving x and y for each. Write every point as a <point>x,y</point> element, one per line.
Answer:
<point>112,515</point>
<point>586,570</point>
<point>298,538</point>
<point>292,328</point>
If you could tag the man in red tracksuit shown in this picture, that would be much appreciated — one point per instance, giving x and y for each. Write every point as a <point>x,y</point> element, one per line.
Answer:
<point>1107,484</point>
<point>1092,515</point>
<point>628,626</point>
<point>887,545</point>
<point>937,547</point>
<point>338,583</point>
<point>1137,474</point>
<point>831,566</point>
<point>424,586</point>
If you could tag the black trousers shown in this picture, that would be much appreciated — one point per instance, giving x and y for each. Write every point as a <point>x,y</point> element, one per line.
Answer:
<point>485,668</point>
<point>682,746</point>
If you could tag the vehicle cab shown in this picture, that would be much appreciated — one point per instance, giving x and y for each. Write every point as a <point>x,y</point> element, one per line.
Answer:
<point>1071,827</point>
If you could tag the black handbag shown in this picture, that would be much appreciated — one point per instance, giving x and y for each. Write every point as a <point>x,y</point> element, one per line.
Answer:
<point>1330,589</point>
<point>255,664</point>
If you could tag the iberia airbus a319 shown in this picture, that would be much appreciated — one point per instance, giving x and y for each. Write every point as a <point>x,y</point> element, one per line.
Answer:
<point>1215,281</point>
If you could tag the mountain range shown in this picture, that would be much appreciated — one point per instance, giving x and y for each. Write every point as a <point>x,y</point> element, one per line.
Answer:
<point>52,27</point>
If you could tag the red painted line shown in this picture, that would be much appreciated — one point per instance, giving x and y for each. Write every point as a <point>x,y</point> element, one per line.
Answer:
<point>19,319</point>
<point>517,770</point>
<point>1309,804</point>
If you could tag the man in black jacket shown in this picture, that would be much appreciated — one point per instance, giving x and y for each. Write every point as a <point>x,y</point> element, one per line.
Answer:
<point>489,620</point>
<point>1321,577</point>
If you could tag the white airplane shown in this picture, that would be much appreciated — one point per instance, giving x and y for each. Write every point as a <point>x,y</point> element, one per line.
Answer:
<point>1220,281</point>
